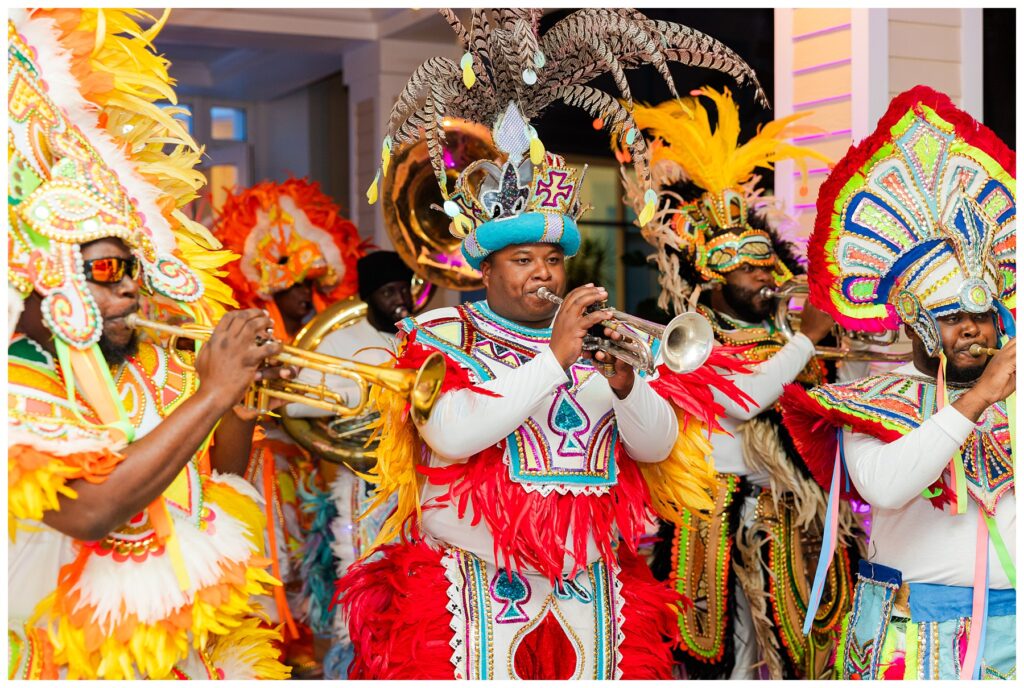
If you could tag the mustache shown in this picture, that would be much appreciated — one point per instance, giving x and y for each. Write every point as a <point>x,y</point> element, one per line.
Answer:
<point>133,309</point>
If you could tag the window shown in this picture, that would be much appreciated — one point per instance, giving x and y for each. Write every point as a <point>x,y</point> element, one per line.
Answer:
<point>227,123</point>
<point>222,179</point>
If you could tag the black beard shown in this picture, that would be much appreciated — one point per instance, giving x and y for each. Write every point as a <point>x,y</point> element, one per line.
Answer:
<point>967,375</point>
<point>741,300</point>
<point>117,354</point>
<point>383,322</point>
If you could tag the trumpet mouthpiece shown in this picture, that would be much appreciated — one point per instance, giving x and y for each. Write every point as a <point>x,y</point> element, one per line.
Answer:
<point>979,350</point>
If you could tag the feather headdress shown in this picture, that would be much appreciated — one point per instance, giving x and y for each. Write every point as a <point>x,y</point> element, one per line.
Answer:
<point>508,65</point>
<point>713,231</point>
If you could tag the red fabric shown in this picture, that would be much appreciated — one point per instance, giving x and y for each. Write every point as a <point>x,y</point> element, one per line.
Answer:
<point>650,628</point>
<point>531,529</point>
<point>897,669</point>
<point>813,429</point>
<point>396,613</point>
<point>973,132</point>
<point>692,392</point>
<point>546,653</point>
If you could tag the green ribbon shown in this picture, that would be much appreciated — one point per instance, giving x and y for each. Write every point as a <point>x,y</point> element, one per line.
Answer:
<point>1009,568</point>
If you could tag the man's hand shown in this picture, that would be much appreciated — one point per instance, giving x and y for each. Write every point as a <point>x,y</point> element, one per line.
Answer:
<point>622,380</point>
<point>572,322</point>
<point>815,323</point>
<point>997,382</point>
<point>230,362</point>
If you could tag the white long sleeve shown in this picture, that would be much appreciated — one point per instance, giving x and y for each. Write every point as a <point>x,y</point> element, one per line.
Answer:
<point>647,424</point>
<point>465,422</point>
<point>889,475</point>
<point>764,385</point>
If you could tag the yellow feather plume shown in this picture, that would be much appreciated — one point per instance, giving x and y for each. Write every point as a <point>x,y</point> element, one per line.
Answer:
<point>686,479</point>
<point>713,159</point>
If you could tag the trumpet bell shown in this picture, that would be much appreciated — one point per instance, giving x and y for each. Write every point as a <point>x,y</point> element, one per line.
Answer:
<point>427,387</point>
<point>687,342</point>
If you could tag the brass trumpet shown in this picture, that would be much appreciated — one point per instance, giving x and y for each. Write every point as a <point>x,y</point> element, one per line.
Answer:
<point>686,342</point>
<point>784,325</point>
<point>422,386</point>
<point>977,350</point>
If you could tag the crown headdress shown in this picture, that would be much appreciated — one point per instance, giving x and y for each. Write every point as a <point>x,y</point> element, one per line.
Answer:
<point>508,75</point>
<point>917,221</point>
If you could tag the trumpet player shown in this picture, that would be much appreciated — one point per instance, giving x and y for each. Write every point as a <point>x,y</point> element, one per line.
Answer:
<point>746,620</point>
<point>927,445</point>
<point>298,254</point>
<point>534,464</point>
<point>131,545</point>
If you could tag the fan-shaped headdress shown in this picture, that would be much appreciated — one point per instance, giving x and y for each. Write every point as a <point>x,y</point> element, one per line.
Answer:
<point>91,154</point>
<point>287,233</point>
<point>916,222</point>
<point>714,229</point>
<point>508,75</point>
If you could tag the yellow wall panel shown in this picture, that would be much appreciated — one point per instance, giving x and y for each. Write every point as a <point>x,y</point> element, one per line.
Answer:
<point>833,116</point>
<point>821,83</point>
<point>942,76</point>
<point>930,15</point>
<point>818,50</point>
<point>808,20</point>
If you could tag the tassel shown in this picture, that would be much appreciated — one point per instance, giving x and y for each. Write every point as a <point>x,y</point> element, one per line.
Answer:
<point>371,193</point>
<point>468,76</point>
<point>385,156</point>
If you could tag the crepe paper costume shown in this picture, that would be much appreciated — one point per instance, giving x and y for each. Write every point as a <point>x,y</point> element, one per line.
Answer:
<point>518,525</point>
<point>711,233</point>
<point>748,564</point>
<point>916,222</point>
<point>286,233</point>
<point>91,156</point>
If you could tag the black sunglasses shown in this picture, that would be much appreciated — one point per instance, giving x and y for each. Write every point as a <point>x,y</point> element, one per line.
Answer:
<point>111,270</point>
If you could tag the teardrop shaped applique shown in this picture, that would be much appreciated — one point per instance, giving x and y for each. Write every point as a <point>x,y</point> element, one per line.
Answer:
<point>545,650</point>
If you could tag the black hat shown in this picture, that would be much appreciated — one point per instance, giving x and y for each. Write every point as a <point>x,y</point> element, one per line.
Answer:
<point>379,268</point>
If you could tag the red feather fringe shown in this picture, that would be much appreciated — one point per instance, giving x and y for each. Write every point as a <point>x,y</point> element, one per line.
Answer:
<point>973,132</point>
<point>396,612</point>
<point>531,529</point>
<point>813,429</point>
<point>692,392</point>
<point>650,628</point>
<point>896,669</point>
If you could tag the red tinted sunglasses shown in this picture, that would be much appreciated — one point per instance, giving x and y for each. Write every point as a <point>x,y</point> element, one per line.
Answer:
<point>111,270</point>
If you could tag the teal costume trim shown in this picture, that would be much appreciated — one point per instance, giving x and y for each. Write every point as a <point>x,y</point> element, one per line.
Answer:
<point>528,228</point>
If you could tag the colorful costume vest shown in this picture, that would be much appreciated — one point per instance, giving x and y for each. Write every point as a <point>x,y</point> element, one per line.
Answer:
<point>166,595</point>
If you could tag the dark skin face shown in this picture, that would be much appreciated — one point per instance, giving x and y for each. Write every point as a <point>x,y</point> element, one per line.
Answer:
<point>739,296</point>
<point>115,301</point>
<point>957,332</point>
<point>388,304</point>
<point>295,304</point>
<point>512,277</point>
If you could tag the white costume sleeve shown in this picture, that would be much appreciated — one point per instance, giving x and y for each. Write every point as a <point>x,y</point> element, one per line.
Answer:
<point>765,384</point>
<point>646,422</point>
<point>889,475</point>
<point>464,422</point>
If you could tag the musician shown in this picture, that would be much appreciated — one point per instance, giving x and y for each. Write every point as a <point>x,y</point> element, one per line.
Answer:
<point>298,255</point>
<point>130,547</point>
<point>928,445</point>
<point>385,286</point>
<point>747,624</point>
<point>535,462</point>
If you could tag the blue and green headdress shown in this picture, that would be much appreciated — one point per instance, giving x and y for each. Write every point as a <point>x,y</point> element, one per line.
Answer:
<point>916,222</point>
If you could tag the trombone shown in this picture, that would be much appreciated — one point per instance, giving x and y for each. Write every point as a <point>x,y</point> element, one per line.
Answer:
<point>422,387</point>
<point>783,323</point>
<point>686,342</point>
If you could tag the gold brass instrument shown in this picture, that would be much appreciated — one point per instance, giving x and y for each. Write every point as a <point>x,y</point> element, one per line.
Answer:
<point>336,440</point>
<point>784,323</point>
<point>419,232</point>
<point>422,386</point>
<point>686,342</point>
<point>977,350</point>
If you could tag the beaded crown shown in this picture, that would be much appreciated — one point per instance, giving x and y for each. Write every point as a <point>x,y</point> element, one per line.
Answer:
<point>916,222</point>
